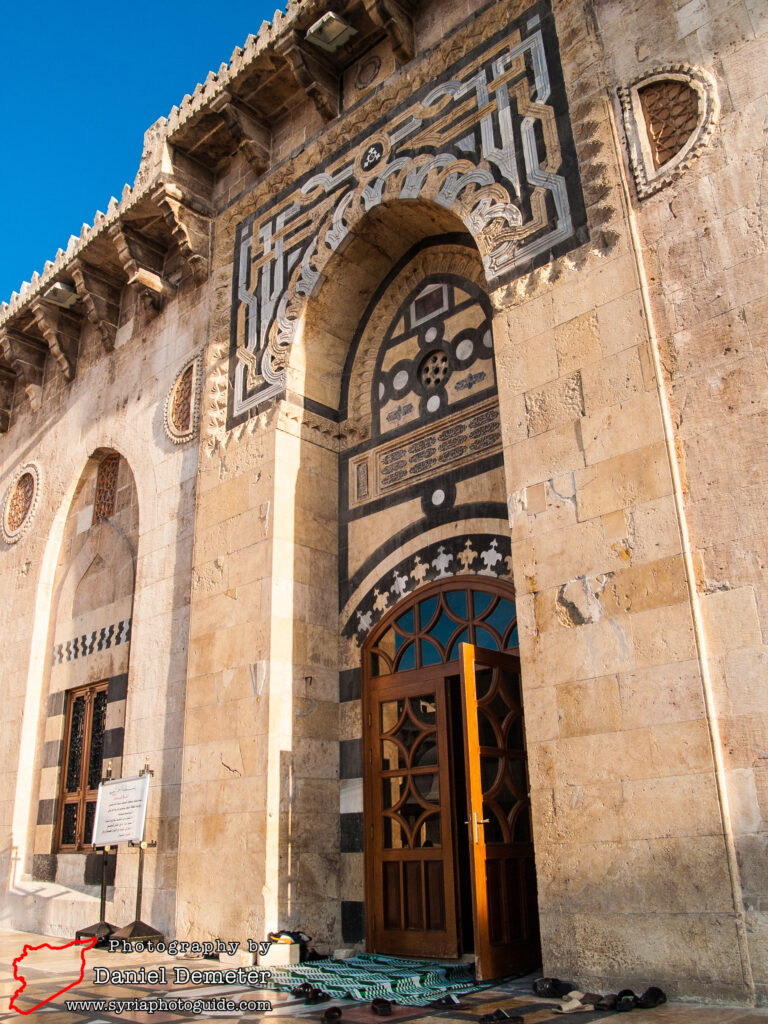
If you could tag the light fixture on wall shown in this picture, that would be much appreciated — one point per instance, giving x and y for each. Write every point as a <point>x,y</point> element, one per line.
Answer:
<point>330,32</point>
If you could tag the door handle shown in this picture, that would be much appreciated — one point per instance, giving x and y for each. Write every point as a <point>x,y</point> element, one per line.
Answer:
<point>475,822</point>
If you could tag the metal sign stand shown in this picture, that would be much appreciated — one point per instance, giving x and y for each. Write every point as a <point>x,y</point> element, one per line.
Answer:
<point>102,929</point>
<point>138,931</point>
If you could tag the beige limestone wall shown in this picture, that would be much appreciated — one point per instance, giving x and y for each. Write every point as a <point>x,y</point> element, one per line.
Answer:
<point>632,829</point>
<point>704,253</point>
<point>636,883</point>
<point>115,402</point>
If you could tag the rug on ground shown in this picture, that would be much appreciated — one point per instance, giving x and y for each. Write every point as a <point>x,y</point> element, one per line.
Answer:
<point>369,976</point>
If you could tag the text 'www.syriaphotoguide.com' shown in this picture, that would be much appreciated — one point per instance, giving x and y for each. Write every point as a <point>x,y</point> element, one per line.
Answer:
<point>165,1005</point>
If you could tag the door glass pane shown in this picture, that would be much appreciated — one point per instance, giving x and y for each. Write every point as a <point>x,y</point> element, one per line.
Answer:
<point>495,831</point>
<point>491,773</point>
<point>394,837</point>
<point>427,610</point>
<point>516,773</point>
<point>428,833</point>
<point>522,828</point>
<point>457,602</point>
<point>69,825</point>
<point>480,601</point>
<point>392,756</point>
<point>391,711</point>
<point>462,638</point>
<point>483,680</point>
<point>425,754</point>
<point>512,640</point>
<point>98,721</point>
<point>443,630</point>
<point>424,709</point>
<point>393,789</point>
<point>90,816</point>
<point>407,658</point>
<point>515,734</point>
<point>488,730</point>
<point>406,621</point>
<point>430,655</point>
<point>485,639</point>
<point>510,685</point>
<point>76,735</point>
<point>501,616</point>
<point>428,787</point>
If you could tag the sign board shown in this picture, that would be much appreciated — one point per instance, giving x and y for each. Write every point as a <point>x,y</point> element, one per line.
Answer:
<point>121,808</point>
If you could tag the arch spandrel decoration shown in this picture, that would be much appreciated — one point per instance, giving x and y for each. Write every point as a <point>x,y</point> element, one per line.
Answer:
<point>489,139</point>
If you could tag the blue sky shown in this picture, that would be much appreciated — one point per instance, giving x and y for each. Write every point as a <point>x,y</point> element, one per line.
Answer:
<point>79,84</point>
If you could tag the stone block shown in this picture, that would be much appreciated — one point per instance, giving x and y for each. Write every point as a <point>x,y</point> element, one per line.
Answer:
<point>730,620</point>
<point>623,428</point>
<point>555,404</point>
<point>578,342</point>
<point>589,707</point>
<point>612,381</point>
<point>623,481</point>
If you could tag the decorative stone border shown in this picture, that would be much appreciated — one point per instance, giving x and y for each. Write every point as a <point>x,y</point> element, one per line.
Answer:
<point>474,554</point>
<point>172,431</point>
<point>11,526</point>
<point>649,179</point>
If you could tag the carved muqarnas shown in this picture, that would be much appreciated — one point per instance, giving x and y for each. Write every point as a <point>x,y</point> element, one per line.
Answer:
<point>668,116</point>
<point>20,503</point>
<point>182,404</point>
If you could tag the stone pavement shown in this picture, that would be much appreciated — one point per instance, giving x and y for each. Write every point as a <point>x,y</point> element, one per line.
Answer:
<point>47,971</point>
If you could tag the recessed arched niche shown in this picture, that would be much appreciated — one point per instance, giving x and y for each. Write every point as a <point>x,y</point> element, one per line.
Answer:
<point>669,116</point>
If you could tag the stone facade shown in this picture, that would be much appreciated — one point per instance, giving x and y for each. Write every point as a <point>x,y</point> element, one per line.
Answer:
<point>468,301</point>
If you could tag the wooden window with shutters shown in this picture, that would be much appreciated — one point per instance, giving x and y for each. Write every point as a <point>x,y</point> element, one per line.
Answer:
<point>81,766</point>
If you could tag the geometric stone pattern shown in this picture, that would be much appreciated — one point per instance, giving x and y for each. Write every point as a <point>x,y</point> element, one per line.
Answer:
<point>671,111</point>
<point>486,138</point>
<point>90,643</point>
<point>106,488</point>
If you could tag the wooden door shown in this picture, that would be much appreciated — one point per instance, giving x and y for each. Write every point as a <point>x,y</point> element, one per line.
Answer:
<point>501,845</point>
<point>410,862</point>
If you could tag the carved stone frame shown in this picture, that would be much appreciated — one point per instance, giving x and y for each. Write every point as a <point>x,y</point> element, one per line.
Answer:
<point>175,436</point>
<point>649,179</point>
<point>12,535</point>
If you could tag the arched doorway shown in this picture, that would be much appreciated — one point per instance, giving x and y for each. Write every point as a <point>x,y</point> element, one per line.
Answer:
<point>448,842</point>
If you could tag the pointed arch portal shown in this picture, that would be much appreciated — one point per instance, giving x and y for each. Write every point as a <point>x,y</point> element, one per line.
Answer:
<point>448,841</point>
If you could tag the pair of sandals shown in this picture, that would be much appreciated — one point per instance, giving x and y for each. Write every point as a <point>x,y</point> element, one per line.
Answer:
<point>626,1000</point>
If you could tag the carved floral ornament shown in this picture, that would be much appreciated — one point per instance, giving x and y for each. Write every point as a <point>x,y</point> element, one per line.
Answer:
<point>20,505</point>
<point>182,404</point>
<point>669,116</point>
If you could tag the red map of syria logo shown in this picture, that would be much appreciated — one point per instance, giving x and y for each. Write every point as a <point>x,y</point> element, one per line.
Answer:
<point>84,945</point>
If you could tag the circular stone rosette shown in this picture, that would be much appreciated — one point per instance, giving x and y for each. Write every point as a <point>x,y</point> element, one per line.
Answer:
<point>20,504</point>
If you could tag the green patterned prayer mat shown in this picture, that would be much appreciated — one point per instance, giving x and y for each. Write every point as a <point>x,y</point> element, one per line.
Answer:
<point>368,976</point>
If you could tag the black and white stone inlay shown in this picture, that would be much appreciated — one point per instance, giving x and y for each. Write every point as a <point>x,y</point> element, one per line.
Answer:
<point>93,642</point>
<point>478,554</point>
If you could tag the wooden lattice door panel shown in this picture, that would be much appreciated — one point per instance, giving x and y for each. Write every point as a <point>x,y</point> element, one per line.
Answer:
<point>410,868</point>
<point>81,765</point>
<point>503,871</point>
